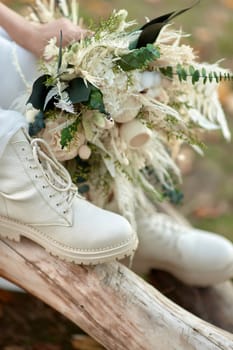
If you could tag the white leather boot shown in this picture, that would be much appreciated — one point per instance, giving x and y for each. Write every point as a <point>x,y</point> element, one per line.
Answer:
<point>194,256</point>
<point>39,201</point>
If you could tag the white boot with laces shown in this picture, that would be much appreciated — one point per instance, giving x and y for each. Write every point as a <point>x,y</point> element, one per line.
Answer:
<point>194,256</point>
<point>39,201</point>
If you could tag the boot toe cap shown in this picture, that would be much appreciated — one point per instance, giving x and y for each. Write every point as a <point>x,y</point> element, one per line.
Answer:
<point>207,259</point>
<point>206,250</point>
<point>103,230</point>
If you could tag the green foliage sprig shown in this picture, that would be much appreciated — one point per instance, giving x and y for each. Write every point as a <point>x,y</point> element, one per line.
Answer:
<point>109,25</point>
<point>195,74</point>
<point>67,134</point>
<point>139,58</point>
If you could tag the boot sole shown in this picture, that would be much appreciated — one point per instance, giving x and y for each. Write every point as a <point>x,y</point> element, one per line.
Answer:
<point>198,278</point>
<point>14,230</point>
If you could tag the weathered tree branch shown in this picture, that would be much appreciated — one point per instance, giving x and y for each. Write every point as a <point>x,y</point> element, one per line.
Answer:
<point>213,304</point>
<point>109,302</point>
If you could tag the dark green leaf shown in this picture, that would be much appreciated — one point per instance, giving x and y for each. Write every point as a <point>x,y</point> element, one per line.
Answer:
<point>203,72</point>
<point>80,179</point>
<point>167,71</point>
<point>195,76</point>
<point>149,35</point>
<point>151,30</point>
<point>39,92</point>
<point>37,125</point>
<point>181,72</point>
<point>175,196</point>
<point>96,100</point>
<point>60,53</point>
<point>83,189</point>
<point>78,91</point>
<point>184,74</point>
<point>178,71</point>
<point>216,77</point>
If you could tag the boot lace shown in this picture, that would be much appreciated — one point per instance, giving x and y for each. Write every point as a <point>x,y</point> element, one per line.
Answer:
<point>54,172</point>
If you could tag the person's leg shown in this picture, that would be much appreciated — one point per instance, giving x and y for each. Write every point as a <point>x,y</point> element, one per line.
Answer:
<point>18,69</point>
<point>10,123</point>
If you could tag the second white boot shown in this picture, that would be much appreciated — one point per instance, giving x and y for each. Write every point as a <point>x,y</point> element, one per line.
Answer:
<point>194,256</point>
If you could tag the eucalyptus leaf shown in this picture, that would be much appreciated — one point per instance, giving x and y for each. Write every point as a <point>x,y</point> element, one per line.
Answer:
<point>203,72</point>
<point>216,77</point>
<point>195,76</point>
<point>191,70</point>
<point>211,77</point>
<point>167,71</point>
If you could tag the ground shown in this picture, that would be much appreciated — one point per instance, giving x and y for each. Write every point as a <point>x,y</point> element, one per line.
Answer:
<point>28,324</point>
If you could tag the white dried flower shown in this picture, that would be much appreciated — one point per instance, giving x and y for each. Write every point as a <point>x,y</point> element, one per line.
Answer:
<point>64,103</point>
<point>51,49</point>
<point>31,113</point>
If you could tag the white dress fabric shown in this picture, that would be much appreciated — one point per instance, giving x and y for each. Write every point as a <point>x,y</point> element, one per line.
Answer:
<point>17,66</point>
<point>18,69</point>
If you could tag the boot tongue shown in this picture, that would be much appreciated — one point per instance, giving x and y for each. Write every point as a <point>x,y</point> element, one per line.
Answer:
<point>53,175</point>
<point>53,171</point>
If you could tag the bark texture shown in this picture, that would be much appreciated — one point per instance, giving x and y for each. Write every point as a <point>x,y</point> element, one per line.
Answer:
<point>111,303</point>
